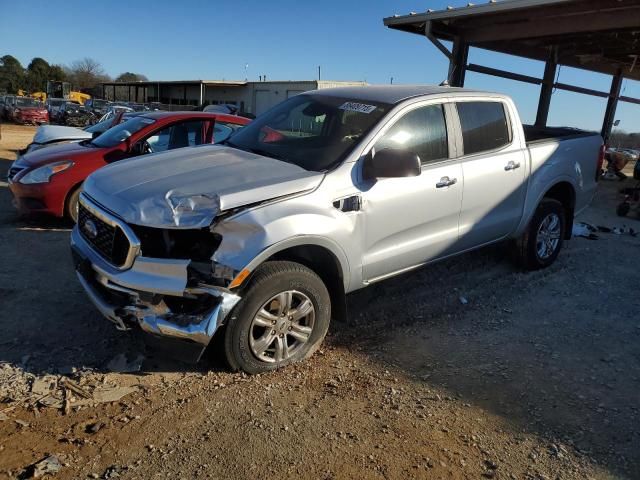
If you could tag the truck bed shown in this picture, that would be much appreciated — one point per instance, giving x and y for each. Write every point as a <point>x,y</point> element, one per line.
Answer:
<point>534,134</point>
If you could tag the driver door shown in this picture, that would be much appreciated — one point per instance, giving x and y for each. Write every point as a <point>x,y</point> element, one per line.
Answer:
<point>412,220</point>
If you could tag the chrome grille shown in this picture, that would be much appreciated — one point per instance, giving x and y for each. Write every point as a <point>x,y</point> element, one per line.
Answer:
<point>108,240</point>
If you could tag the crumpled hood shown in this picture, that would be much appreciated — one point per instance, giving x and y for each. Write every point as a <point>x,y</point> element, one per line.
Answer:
<point>136,190</point>
<point>53,133</point>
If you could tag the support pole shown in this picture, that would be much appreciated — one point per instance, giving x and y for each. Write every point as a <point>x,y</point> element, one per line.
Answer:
<point>612,104</point>
<point>458,63</point>
<point>546,91</point>
<point>103,93</point>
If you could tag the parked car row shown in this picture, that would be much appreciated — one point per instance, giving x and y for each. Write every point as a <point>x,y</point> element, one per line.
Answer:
<point>23,110</point>
<point>49,180</point>
<point>330,191</point>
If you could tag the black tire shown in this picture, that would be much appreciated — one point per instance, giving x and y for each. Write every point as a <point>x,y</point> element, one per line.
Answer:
<point>71,208</point>
<point>269,280</point>
<point>527,254</point>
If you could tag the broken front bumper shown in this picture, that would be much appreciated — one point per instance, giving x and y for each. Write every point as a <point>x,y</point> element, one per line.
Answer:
<point>140,296</point>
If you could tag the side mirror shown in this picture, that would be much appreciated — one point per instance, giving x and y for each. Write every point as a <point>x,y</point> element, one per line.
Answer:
<point>391,163</point>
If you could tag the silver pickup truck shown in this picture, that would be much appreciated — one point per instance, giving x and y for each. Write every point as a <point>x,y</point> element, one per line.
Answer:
<point>258,240</point>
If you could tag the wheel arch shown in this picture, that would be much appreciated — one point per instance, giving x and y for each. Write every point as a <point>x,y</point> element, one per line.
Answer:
<point>330,265</point>
<point>562,190</point>
<point>565,193</point>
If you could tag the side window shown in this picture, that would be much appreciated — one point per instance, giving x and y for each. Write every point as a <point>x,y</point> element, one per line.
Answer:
<point>484,126</point>
<point>178,135</point>
<point>422,131</point>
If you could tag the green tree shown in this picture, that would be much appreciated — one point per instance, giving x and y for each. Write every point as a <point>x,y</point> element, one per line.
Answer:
<point>56,72</point>
<point>37,75</point>
<point>12,76</point>
<point>131,77</point>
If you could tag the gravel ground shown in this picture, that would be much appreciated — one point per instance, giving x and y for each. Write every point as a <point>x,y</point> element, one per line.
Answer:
<point>465,369</point>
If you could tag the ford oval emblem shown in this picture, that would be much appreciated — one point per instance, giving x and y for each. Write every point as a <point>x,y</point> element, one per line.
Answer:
<point>90,229</point>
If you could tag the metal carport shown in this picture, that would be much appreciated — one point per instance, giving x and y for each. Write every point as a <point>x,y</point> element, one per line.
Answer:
<point>596,35</point>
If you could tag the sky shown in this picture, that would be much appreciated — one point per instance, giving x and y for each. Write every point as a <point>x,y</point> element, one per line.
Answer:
<point>282,39</point>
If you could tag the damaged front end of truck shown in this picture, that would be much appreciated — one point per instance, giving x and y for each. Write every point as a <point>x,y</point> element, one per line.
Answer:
<point>161,280</point>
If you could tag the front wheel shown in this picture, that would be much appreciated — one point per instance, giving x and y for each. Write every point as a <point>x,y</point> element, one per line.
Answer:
<point>281,319</point>
<point>71,209</point>
<point>540,244</point>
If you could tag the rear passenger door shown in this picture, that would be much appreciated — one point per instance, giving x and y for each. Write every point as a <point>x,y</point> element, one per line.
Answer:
<point>493,166</point>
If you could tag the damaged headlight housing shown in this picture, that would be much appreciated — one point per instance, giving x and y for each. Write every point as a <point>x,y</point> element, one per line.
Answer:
<point>192,208</point>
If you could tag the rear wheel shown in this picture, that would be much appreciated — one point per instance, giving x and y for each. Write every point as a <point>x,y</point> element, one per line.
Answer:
<point>71,209</point>
<point>282,318</point>
<point>541,243</point>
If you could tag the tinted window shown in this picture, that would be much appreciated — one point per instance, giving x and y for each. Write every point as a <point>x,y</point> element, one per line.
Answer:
<point>484,126</point>
<point>422,131</point>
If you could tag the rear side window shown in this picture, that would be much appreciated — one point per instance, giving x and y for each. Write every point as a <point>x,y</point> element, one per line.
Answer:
<point>422,131</point>
<point>484,126</point>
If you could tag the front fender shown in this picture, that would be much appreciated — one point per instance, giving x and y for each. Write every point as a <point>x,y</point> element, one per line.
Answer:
<point>251,238</point>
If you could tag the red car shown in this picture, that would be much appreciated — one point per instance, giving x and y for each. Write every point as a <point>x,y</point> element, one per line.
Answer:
<point>29,111</point>
<point>49,180</point>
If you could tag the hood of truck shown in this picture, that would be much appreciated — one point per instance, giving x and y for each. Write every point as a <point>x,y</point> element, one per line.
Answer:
<point>141,190</point>
<point>54,133</point>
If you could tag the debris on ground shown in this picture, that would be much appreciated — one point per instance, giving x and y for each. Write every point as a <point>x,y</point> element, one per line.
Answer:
<point>49,465</point>
<point>120,364</point>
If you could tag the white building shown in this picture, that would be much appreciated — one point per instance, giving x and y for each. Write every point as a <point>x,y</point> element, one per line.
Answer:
<point>251,97</point>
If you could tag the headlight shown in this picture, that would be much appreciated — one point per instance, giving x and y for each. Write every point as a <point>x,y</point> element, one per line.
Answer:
<point>44,174</point>
<point>192,208</point>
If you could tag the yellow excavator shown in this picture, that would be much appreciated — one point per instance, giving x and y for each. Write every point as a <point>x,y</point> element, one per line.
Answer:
<point>59,89</point>
<point>56,89</point>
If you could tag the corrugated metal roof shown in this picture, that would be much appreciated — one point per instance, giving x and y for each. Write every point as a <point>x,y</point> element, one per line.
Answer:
<point>469,9</point>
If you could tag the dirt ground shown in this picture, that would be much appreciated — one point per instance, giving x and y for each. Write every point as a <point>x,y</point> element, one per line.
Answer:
<point>469,368</point>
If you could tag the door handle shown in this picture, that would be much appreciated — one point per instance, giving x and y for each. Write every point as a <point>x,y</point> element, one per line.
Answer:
<point>446,182</point>
<point>512,165</point>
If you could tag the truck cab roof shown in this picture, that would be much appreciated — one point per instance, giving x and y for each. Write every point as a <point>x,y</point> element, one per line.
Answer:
<point>393,94</point>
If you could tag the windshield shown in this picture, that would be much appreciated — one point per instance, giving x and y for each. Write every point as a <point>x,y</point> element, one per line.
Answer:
<point>116,135</point>
<point>99,103</point>
<point>27,102</point>
<point>99,127</point>
<point>314,132</point>
<point>55,102</point>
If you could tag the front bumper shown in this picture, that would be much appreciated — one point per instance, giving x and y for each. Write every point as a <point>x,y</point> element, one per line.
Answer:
<point>47,198</point>
<point>136,298</point>
<point>32,119</point>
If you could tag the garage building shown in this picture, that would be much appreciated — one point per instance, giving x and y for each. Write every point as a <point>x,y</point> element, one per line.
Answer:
<point>251,97</point>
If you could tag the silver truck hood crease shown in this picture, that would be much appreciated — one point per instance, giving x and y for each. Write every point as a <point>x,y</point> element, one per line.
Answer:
<point>136,189</point>
<point>48,133</point>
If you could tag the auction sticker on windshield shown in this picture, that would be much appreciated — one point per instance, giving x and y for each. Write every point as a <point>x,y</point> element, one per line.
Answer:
<point>357,107</point>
